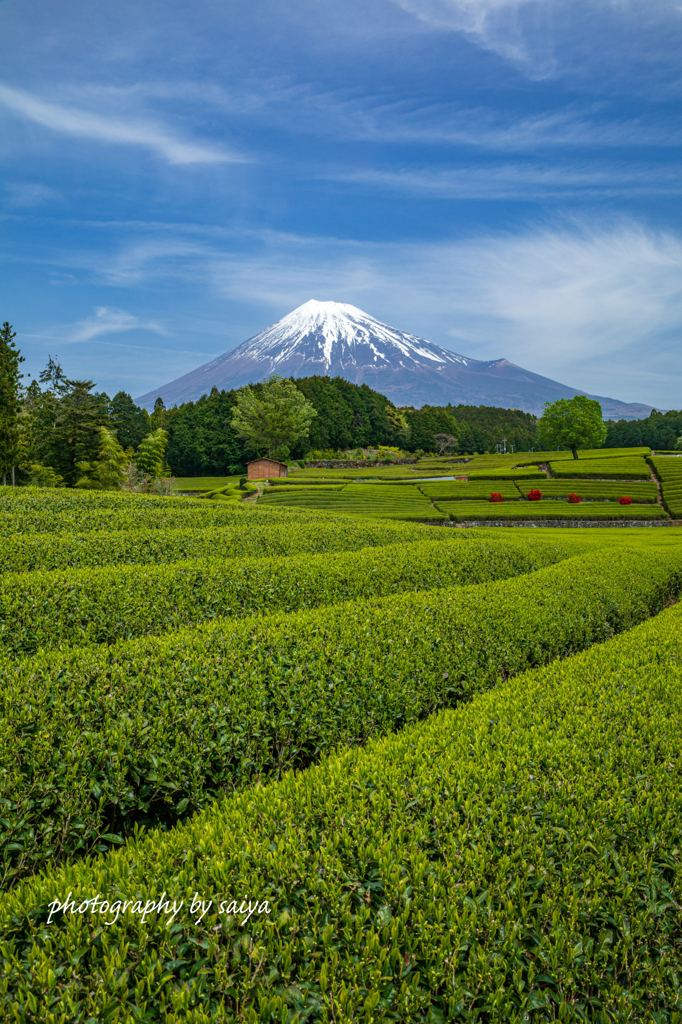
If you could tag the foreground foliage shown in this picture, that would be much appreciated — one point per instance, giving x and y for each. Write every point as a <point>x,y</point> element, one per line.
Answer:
<point>93,741</point>
<point>102,605</point>
<point>517,859</point>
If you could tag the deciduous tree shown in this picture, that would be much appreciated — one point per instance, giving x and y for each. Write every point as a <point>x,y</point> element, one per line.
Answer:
<point>446,443</point>
<point>572,423</point>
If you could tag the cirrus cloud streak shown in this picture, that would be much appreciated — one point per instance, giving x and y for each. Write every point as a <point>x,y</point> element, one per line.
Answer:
<point>114,129</point>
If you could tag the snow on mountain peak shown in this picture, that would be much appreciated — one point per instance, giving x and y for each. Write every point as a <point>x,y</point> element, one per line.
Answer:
<point>336,339</point>
<point>339,334</point>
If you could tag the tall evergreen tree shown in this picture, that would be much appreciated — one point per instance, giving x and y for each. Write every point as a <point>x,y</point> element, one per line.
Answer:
<point>276,415</point>
<point>54,377</point>
<point>81,412</point>
<point>159,416</point>
<point>131,423</point>
<point>10,377</point>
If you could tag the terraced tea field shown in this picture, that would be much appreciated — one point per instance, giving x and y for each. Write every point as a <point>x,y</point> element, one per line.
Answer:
<point>426,490</point>
<point>437,769</point>
<point>395,502</point>
<point>668,468</point>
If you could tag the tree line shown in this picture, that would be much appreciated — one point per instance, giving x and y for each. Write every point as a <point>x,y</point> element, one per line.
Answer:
<point>58,429</point>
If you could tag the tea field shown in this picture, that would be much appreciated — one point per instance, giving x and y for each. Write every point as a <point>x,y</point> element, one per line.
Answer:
<point>281,762</point>
<point>586,489</point>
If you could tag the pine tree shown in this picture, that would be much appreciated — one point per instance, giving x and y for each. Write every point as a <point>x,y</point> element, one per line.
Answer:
<point>10,358</point>
<point>76,437</point>
<point>159,415</point>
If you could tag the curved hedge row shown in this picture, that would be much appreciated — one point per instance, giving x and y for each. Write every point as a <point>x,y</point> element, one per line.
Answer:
<point>82,606</point>
<point>669,471</point>
<point>550,508</point>
<point>370,499</point>
<point>132,512</point>
<point>254,537</point>
<point>470,490</point>
<point>591,489</point>
<point>516,859</point>
<point>634,468</point>
<point>506,473</point>
<point>93,741</point>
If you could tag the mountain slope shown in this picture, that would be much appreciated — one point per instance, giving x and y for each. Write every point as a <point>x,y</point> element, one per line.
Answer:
<point>337,339</point>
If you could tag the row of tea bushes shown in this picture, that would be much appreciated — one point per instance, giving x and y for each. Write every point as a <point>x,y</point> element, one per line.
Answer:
<point>633,468</point>
<point>506,473</point>
<point>523,459</point>
<point>372,471</point>
<point>97,740</point>
<point>385,500</point>
<point>514,860</point>
<point>591,490</point>
<point>550,508</point>
<point>668,469</point>
<point>290,485</point>
<point>70,514</point>
<point>283,534</point>
<point>101,605</point>
<point>473,490</point>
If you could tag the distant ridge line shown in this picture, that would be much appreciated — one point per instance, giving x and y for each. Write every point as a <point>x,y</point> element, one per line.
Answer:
<point>338,339</point>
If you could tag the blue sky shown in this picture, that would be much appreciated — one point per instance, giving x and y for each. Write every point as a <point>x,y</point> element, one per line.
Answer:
<point>501,177</point>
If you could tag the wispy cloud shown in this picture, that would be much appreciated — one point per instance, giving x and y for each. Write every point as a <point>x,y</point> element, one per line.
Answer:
<point>493,24</point>
<point>530,182</point>
<point>576,300</point>
<point>114,129</point>
<point>554,295</point>
<point>548,37</point>
<point>572,300</point>
<point>345,113</point>
<point>110,321</point>
<point>26,194</point>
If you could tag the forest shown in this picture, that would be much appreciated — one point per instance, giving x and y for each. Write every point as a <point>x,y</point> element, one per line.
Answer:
<point>59,418</point>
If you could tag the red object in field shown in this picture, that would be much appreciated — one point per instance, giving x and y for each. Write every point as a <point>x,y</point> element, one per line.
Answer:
<point>575,499</point>
<point>534,495</point>
<point>625,501</point>
<point>496,497</point>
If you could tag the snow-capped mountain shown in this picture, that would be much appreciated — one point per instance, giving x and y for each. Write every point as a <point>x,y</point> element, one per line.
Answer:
<point>337,339</point>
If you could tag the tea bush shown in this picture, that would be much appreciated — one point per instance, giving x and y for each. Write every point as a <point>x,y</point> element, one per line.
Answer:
<point>471,490</point>
<point>668,469</point>
<point>515,859</point>
<point>393,501</point>
<point>289,532</point>
<point>106,511</point>
<point>96,740</point>
<point>475,511</point>
<point>591,490</point>
<point>613,469</point>
<point>102,605</point>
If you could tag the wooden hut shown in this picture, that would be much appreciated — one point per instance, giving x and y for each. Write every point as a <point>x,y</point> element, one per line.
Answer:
<point>265,469</point>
